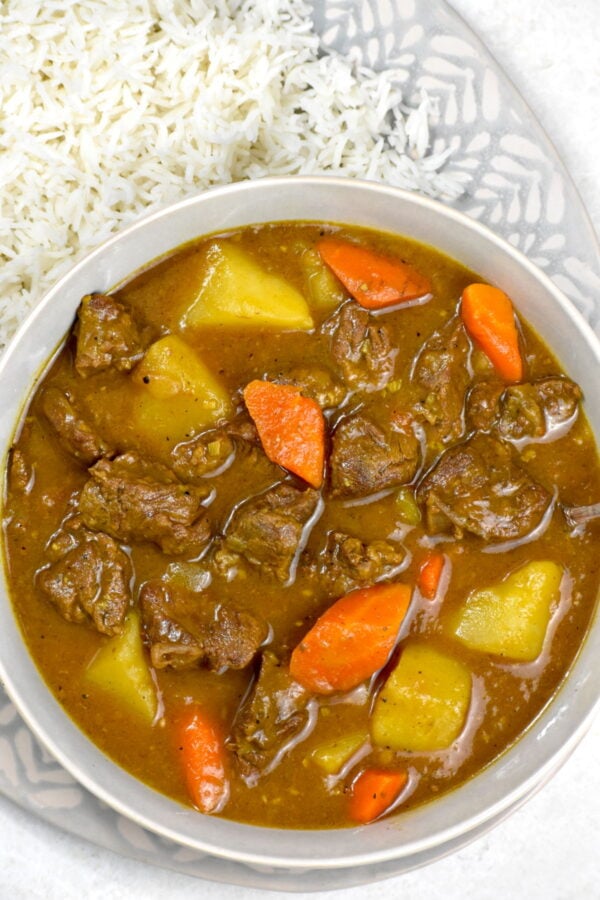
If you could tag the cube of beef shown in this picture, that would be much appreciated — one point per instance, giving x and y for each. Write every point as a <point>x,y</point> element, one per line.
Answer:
<point>212,450</point>
<point>106,336</point>
<point>88,579</point>
<point>478,486</point>
<point>347,562</point>
<point>202,455</point>
<point>315,382</point>
<point>135,500</point>
<point>366,458</point>
<point>531,410</point>
<point>268,531</point>
<point>186,629</point>
<point>21,473</point>
<point>441,375</point>
<point>275,713</point>
<point>75,435</point>
<point>482,404</point>
<point>361,347</point>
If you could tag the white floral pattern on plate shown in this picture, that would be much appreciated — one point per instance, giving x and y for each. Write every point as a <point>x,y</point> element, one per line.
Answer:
<point>515,183</point>
<point>514,180</point>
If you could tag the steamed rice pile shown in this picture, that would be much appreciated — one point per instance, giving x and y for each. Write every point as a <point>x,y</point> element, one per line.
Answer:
<point>109,110</point>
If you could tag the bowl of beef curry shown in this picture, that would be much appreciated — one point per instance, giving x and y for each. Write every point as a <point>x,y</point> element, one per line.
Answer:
<point>300,523</point>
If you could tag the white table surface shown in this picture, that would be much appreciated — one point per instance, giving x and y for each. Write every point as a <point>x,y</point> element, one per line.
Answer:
<point>549,849</point>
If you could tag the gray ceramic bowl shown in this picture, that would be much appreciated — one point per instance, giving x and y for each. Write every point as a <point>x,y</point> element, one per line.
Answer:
<point>411,838</point>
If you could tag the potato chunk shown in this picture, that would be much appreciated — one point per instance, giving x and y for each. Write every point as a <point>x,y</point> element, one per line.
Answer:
<point>324,289</point>
<point>332,756</point>
<point>120,669</point>
<point>177,395</point>
<point>423,705</point>
<point>510,619</point>
<point>237,290</point>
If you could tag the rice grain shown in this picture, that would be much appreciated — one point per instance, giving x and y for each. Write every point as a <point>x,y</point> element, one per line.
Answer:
<point>111,110</point>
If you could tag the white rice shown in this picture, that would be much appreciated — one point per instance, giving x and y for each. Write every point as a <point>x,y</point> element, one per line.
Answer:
<point>112,109</point>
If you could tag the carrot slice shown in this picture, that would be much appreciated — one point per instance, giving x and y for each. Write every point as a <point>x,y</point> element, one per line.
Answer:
<point>291,428</point>
<point>430,574</point>
<point>373,280</point>
<point>202,749</point>
<point>373,792</point>
<point>489,318</point>
<point>351,640</point>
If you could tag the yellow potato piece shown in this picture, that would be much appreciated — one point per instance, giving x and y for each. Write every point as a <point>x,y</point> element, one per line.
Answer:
<point>120,668</point>
<point>424,703</point>
<point>323,288</point>
<point>510,619</point>
<point>177,395</point>
<point>333,755</point>
<point>236,290</point>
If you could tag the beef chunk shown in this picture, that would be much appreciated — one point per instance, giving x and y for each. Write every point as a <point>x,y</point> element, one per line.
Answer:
<point>211,450</point>
<point>274,714</point>
<point>76,436</point>
<point>366,458</point>
<point>20,472</point>
<point>267,530</point>
<point>441,376</point>
<point>482,404</point>
<point>106,336</point>
<point>242,429</point>
<point>346,562</point>
<point>89,579</point>
<point>477,486</point>
<point>202,455</point>
<point>529,410</point>
<point>361,347</point>
<point>134,500</point>
<point>187,629</point>
<point>317,383</point>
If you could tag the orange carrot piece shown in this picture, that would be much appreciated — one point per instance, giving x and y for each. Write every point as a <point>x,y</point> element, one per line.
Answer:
<point>351,640</point>
<point>291,428</point>
<point>202,749</point>
<point>489,318</point>
<point>430,574</point>
<point>373,792</point>
<point>373,280</point>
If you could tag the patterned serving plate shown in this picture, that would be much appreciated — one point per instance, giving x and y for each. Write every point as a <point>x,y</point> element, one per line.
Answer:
<point>516,184</point>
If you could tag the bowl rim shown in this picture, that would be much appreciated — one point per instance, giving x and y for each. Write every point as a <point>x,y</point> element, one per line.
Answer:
<point>438,838</point>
